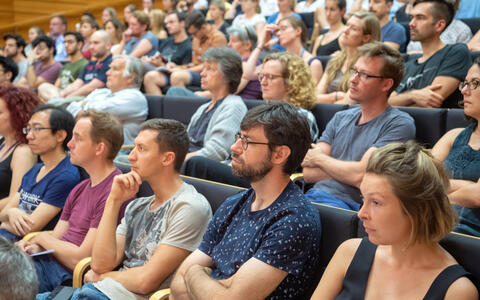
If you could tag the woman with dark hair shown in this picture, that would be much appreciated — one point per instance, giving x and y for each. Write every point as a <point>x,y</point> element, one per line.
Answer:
<point>459,149</point>
<point>327,43</point>
<point>405,213</point>
<point>16,159</point>
<point>115,29</point>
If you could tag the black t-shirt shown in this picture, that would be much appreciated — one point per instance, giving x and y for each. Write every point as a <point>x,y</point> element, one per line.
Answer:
<point>179,53</point>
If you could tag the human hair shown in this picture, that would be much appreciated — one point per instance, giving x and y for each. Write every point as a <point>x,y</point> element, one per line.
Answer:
<point>88,14</point>
<point>111,11</point>
<point>19,278</point>
<point>9,66</point>
<point>105,128</point>
<point>133,66</point>
<point>119,28</point>
<point>171,136</point>
<point>283,125</point>
<point>49,42</point>
<point>20,103</point>
<point>440,9</point>
<point>182,16</point>
<point>77,35</point>
<point>244,34</point>
<point>38,30</point>
<point>218,4</point>
<point>297,77</point>
<point>93,23</point>
<point>421,184</point>
<point>62,19</point>
<point>158,23</point>
<point>131,7</point>
<point>229,63</point>
<point>60,119</point>
<point>393,63</point>
<point>297,23</point>
<point>476,62</point>
<point>19,41</point>
<point>142,18</point>
<point>371,26</point>
<point>195,19</point>
<point>341,4</point>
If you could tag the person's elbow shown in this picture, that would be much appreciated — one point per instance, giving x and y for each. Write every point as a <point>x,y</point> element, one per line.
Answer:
<point>309,175</point>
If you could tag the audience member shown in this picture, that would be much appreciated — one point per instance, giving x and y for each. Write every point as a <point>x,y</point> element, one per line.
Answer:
<point>96,139</point>
<point>137,40</point>
<point>263,241</point>
<point>127,13</point>
<point>405,213</point>
<point>393,34</point>
<point>458,150</point>
<point>468,9</point>
<point>327,43</point>
<point>148,5</point>
<point>251,15</point>
<point>122,97</point>
<point>285,9</point>
<point>70,71</point>
<point>362,27</point>
<point>14,49</point>
<point>33,33</point>
<point>169,6</point>
<point>157,22</point>
<point>42,66</point>
<point>336,164</point>
<point>216,11</point>
<point>18,275</point>
<point>108,13</point>
<point>157,232</point>
<point>58,26</point>
<point>432,79</point>
<point>44,187</point>
<point>16,159</point>
<point>213,126</point>
<point>93,75</point>
<point>268,7</point>
<point>87,28</point>
<point>115,29</point>
<point>8,70</point>
<point>204,36</point>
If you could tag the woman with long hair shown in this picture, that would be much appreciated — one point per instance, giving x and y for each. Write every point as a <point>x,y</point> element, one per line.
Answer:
<point>327,43</point>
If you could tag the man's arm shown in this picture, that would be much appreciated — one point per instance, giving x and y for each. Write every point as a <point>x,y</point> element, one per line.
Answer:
<point>467,195</point>
<point>88,88</point>
<point>312,173</point>
<point>143,47</point>
<point>78,83</point>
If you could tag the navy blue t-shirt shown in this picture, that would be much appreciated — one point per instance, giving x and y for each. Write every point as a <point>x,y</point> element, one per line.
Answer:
<point>96,69</point>
<point>285,235</point>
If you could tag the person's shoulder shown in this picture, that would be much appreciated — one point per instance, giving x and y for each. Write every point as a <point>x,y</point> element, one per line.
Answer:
<point>351,111</point>
<point>234,99</point>
<point>139,204</point>
<point>394,112</point>
<point>21,151</point>
<point>462,288</point>
<point>188,195</point>
<point>348,248</point>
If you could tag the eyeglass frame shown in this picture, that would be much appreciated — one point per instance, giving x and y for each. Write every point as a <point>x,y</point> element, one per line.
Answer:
<point>269,78</point>
<point>244,142</point>
<point>34,130</point>
<point>362,75</point>
<point>471,85</point>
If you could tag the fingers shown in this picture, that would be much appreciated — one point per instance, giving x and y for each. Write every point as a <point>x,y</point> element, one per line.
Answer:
<point>23,225</point>
<point>22,245</point>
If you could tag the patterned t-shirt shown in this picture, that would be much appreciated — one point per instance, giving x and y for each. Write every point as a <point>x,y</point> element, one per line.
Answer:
<point>285,235</point>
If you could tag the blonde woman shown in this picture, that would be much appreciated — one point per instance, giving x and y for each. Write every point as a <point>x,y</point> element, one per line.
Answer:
<point>157,22</point>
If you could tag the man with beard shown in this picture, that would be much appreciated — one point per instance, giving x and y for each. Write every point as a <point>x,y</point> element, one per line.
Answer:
<point>393,34</point>
<point>262,242</point>
<point>93,75</point>
<point>14,49</point>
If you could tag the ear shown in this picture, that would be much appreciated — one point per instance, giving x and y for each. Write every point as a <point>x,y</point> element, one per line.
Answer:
<point>387,84</point>
<point>440,25</point>
<point>61,135</point>
<point>100,148</point>
<point>9,76</point>
<point>280,155</point>
<point>366,38</point>
<point>168,158</point>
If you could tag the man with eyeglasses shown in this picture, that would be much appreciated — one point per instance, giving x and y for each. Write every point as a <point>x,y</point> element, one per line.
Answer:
<point>337,163</point>
<point>41,196</point>
<point>432,79</point>
<point>262,242</point>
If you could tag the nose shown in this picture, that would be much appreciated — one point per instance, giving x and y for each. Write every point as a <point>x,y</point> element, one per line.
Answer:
<point>362,213</point>
<point>237,147</point>
<point>131,156</point>
<point>71,144</point>
<point>465,90</point>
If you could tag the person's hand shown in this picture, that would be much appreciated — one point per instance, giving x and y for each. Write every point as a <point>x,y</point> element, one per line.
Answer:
<point>155,60</point>
<point>20,221</point>
<point>33,248</point>
<point>91,276</point>
<point>21,244</point>
<point>428,96</point>
<point>32,56</point>
<point>125,186</point>
<point>312,156</point>
<point>171,65</point>
<point>127,35</point>
<point>268,32</point>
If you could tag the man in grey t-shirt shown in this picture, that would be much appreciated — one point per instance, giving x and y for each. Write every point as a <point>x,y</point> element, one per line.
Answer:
<point>157,232</point>
<point>338,161</point>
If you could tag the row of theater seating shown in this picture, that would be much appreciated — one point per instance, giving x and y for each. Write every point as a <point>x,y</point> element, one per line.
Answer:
<point>431,123</point>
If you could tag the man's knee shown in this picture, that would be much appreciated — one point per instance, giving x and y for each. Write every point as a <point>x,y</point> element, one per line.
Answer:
<point>180,78</point>
<point>154,77</point>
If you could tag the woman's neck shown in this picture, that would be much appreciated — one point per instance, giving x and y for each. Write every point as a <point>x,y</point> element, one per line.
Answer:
<point>337,26</point>
<point>218,23</point>
<point>250,13</point>
<point>414,256</point>
<point>9,139</point>
<point>295,47</point>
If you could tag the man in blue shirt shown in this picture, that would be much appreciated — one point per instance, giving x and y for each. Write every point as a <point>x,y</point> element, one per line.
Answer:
<point>261,243</point>
<point>393,34</point>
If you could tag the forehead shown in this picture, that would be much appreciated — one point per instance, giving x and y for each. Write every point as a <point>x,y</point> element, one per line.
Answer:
<point>172,18</point>
<point>96,37</point>
<point>211,64</point>
<point>11,41</point>
<point>474,72</point>
<point>369,64</point>
<point>256,132</point>
<point>56,21</point>
<point>273,67</point>
<point>70,37</point>
<point>355,22</point>
<point>146,137</point>
<point>118,63</point>
<point>82,126</point>
<point>42,45</point>
<point>40,118</point>
<point>424,9</point>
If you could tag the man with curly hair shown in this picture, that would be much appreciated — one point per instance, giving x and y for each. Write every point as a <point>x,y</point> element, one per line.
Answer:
<point>337,163</point>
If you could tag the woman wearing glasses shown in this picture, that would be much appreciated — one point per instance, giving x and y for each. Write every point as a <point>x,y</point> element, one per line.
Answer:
<point>362,28</point>
<point>459,149</point>
<point>16,159</point>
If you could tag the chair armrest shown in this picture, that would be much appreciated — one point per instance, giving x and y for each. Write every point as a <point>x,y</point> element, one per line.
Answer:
<point>80,269</point>
<point>296,177</point>
<point>128,146</point>
<point>31,235</point>
<point>160,295</point>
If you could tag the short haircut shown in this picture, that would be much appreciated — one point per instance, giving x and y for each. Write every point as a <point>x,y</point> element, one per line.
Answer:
<point>9,65</point>
<point>19,278</point>
<point>229,63</point>
<point>93,23</point>
<point>60,119</point>
<point>297,23</point>
<point>244,34</point>
<point>297,77</point>
<point>107,38</point>
<point>105,128</point>
<point>441,10</point>
<point>220,4</point>
<point>142,18</point>
<point>133,66</point>
<point>49,42</point>
<point>171,136</point>
<point>18,39</point>
<point>393,63</point>
<point>88,14</point>
<point>421,184</point>
<point>20,103</point>
<point>78,37</point>
<point>111,11</point>
<point>62,19</point>
<point>195,19</point>
<point>182,16</point>
<point>282,124</point>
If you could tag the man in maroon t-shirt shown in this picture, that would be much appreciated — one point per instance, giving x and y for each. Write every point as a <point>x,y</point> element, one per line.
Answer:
<point>74,235</point>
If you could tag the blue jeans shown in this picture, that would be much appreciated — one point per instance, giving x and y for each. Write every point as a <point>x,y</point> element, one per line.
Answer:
<point>9,236</point>
<point>321,197</point>
<point>88,291</point>
<point>50,273</point>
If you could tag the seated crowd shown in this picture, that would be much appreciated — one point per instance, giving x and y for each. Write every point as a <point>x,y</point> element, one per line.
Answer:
<point>74,109</point>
